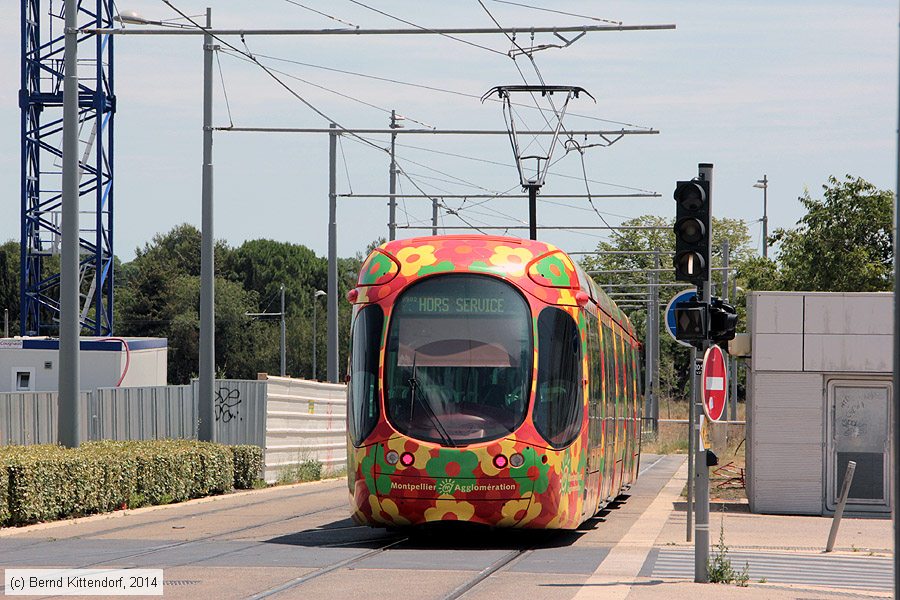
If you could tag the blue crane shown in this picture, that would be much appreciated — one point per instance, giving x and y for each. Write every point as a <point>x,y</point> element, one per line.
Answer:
<point>41,100</point>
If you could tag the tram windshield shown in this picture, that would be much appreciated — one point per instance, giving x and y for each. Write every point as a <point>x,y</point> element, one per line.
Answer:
<point>458,360</point>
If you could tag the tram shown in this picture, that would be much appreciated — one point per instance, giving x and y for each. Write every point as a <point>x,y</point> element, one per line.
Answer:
<point>491,381</point>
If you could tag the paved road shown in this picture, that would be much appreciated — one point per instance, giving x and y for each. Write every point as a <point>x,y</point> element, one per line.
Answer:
<point>298,542</point>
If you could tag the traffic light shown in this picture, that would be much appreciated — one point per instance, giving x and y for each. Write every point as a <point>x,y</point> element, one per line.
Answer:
<point>722,321</point>
<point>691,321</point>
<point>692,229</point>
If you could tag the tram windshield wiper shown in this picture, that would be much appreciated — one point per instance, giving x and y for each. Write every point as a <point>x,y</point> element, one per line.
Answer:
<point>413,387</point>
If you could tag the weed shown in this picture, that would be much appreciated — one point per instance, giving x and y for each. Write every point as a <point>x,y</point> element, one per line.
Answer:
<point>306,470</point>
<point>719,565</point>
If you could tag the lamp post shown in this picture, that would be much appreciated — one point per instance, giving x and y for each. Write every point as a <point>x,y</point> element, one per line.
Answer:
<point>763,184</point>
<point>207,359</point>
<point>318,294</point>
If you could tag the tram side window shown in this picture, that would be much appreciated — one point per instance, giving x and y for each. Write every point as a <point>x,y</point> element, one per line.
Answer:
<point>363,391</point>
<point>558,407</point>
<point>609,358</point>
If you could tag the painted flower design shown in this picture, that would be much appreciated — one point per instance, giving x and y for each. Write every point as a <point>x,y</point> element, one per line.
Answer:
<point>554,268</point>
<point>413,258</point>
<point>511,260</point>
<point>450,510</point>
<point>377,268</point>
<point>377,471</point>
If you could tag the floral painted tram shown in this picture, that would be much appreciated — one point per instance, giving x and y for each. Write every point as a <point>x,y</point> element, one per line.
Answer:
<point>491,381</point>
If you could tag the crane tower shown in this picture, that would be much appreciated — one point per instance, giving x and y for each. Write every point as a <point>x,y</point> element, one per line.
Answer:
<point>41,101</point>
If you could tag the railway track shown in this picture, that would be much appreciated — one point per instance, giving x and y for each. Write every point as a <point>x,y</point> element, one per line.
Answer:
<point>202,511</point>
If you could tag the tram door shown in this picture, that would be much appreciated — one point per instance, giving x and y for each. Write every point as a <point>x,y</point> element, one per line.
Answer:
<point>859,417</point>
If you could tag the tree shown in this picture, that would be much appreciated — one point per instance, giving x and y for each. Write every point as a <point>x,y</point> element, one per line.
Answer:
<point>844,242</point>
<point>627,268</point>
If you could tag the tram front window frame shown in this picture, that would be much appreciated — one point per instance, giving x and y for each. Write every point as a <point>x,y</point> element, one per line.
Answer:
<point>458,360</point>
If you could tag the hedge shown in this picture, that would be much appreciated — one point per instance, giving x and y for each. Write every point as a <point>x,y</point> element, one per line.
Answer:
<point>39,483</point>
<point>248,465</point>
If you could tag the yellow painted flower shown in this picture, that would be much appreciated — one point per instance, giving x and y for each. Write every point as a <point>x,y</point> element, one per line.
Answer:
<point>534,511</point>
<point>567,297</point>
<point>512,511</point>
<point>461,511</point>
<point>511,260</point>
<point>413,258</point>
<point>390,507</point>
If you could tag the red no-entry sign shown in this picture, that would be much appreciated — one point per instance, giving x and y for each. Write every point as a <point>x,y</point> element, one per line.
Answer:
<point>714,383</point>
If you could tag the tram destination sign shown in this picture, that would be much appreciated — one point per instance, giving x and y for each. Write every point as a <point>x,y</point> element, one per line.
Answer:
<point>450,304</point>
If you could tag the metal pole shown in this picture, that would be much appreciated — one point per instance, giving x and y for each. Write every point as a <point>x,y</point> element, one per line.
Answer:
<point>765,223</point>
<point>392,211</point>
<point>314,339</point>
<point>691,446</point>
<point>332,300</point>
<point>895,408</point>
<point>701,470</point>
<point>68,415</point>
<point>656,329</point>
<point>6,322</point>
<point>206,430</point>
<point>729,361</point>
<point>355,32</point>
<point>532,212</point>
<point>283,337</point>
<point>648,364</point>
<point>842,502</point>
<point>434,216</point>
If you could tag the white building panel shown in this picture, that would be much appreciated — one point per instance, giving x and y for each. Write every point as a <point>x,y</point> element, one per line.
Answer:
<point>848,353</point>
<point>779,312</point>
<point>856,314</point>
<point>778,352</point>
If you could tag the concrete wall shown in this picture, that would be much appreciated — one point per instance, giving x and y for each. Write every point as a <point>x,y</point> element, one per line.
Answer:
<point>800,341</point>
<point>305,420</point>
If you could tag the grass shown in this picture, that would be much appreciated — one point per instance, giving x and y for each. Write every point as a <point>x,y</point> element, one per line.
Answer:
<point>727,443</point>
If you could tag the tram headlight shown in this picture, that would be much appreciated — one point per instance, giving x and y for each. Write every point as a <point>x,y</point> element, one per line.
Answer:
<point>500,461</point>
<point>516,460</point>
<point>392,457</point>
<point>407,458</point>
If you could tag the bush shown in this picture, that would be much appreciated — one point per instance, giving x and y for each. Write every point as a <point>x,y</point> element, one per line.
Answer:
<point>248,466</point>
<point>306,470</point>
<point>50,482</point>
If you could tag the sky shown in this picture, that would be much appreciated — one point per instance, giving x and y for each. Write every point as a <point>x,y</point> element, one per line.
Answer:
<point>793,90</point>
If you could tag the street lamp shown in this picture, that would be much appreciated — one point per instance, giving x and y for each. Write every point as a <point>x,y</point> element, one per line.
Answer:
<point>763,184</point>
<point>318,294</point>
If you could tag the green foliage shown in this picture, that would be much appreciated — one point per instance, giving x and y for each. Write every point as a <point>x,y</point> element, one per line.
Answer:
<point>306,470</point>
<point>158,295</point>
<point>674,367</point>
<point>843,243</point>
<point>248,466</point>
<point>719,567</point>
<point>51,482</point>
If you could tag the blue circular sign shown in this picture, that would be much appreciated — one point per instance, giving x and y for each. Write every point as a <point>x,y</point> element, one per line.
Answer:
<point>682,296</point>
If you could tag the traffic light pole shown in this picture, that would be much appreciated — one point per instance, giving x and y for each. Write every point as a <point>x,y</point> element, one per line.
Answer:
<point>701,470</point>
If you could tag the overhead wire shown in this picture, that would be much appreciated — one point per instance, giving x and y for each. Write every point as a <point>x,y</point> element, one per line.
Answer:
<point>411,24</point>
<point>224,89</point>
<point>434,88</point>
<point>346,165</point>
<point>559,12</point>
<point>319,12</point>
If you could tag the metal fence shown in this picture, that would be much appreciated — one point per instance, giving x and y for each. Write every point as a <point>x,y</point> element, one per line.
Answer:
<point>306,420</point>
<point>294,420</point>
<point>30,417</point>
